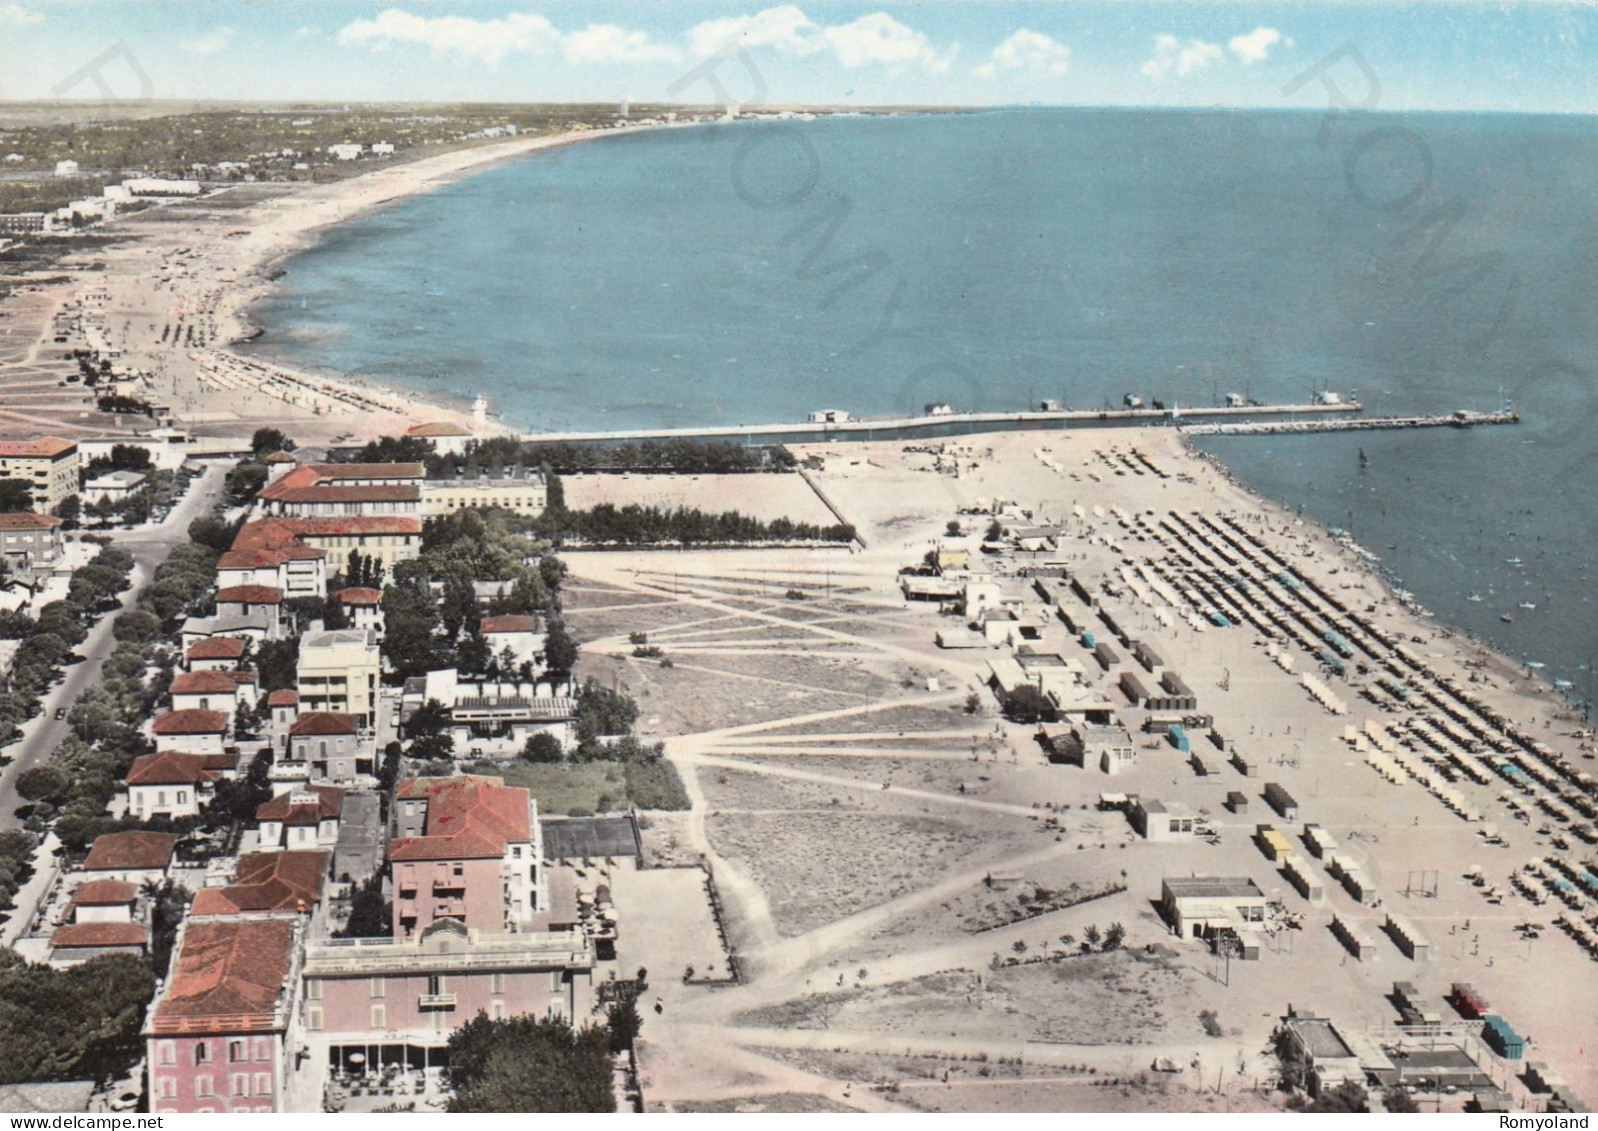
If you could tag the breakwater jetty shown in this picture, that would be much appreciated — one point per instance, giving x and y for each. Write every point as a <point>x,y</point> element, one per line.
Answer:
<point>949,423</point>
<point>1461,419</point>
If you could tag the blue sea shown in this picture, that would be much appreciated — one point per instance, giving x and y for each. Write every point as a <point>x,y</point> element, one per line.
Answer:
<point>752,272</point>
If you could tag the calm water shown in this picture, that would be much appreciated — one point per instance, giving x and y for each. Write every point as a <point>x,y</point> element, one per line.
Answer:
<point>754,272</point>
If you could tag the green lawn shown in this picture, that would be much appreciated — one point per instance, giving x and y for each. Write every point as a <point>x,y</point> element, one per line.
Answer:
<point>583,788</point>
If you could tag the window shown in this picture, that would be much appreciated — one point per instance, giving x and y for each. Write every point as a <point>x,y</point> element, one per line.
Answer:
<point>202,1053</point>
<point>313,1018</point>
<point>378,987</point>
<point>183,796</point>
<point>167,1088</point>
<point>379,1017</point>
<point>166,1053</point>
<point>263,1049</point>
<point>240,1083</point>
<point>263,1083</point>
<point>496,1010</point>
<point>496,983</point>
<point>313,989</point>
<point>236,1052</point>
<point>435,984</point>
<point>202,1086</point>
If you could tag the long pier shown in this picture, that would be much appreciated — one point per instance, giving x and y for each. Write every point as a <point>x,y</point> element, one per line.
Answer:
<point>953,423</point>
<point>1363,424</point>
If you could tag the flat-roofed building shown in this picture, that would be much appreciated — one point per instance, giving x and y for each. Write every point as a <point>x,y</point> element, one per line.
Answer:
<point>1194,905</point>
<point>338,671</point>
<point>521,491</point>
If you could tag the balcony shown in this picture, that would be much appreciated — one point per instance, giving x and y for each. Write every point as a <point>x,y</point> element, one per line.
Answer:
<point>436,1001</point>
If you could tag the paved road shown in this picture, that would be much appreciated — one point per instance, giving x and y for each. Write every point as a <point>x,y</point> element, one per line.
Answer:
<point>149,547</point>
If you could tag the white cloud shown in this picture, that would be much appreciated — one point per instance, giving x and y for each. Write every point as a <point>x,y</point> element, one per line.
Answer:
<point>306,31</point>
<point>210,43</point>
<point>786,28</point>
<point>606,43</point>
<point>1172,54</point>
<point>879,38</point>
<point>516,33</point>
<point>486,41</point>
<point>1030,51</point>
<point>875,39</point>
<point>1256,45</point>
<point>15,15</point>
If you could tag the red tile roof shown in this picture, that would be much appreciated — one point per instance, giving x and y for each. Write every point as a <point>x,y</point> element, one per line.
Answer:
<point>280,457</point>
<point>468,818</point>
<point>371,524</point>
<point>285,698</point>
<point>333,476</point>
<point>26,520</point>
<point>350,493</point>
<point>190,721</point>
<point>322,723</point>
<point>437,428</point>
<point>250,594</point>
<point>130,852</point>
<point>327,801</point>
<point>511,622</point>
<point>201,683</point>
<point>267,883</point>
<point>370,470</point>
<point>304,476</point>
<point>280,533</point>
<point>103,893</point>
<point>216,648</point>
<point>227,977</point>
<point>267,558</point>
<point>171,769</point>
<point>86,936</point>
<point>43,446</point>
<point>358,595</point>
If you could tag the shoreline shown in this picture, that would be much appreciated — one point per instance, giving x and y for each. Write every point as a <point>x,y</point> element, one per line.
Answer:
<point>356,199</point>
<point>171,302</point>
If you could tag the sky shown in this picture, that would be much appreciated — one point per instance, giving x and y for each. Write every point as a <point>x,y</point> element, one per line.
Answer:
<point>1429,55</point>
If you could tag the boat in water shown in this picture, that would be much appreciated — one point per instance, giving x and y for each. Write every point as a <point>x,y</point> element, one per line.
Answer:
<point>1527,605</point>
<point>1506,618</point>
<point>1474,597</point>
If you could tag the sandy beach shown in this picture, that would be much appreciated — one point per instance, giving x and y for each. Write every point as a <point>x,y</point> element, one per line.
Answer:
<point>171,299</point>
<point>852,809</point>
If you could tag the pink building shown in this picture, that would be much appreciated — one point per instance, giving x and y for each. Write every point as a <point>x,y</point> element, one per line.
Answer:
<point>466,848</point>
<point>398,1000</point>
<point>222,1031</point>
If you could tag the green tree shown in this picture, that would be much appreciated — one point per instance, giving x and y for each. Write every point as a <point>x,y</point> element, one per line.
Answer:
<point>276,663</point>
<point>371,916</point>
<point>69,510</point>
<point>269,440</point>
<point>560,651</point>
<point>1027,704</point>
<point>43,783</point>
<point>16,495</point>
<point>523,1064</point>
<point>542,747</point>
<point>410,620</point>
<point>622,1020</point>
